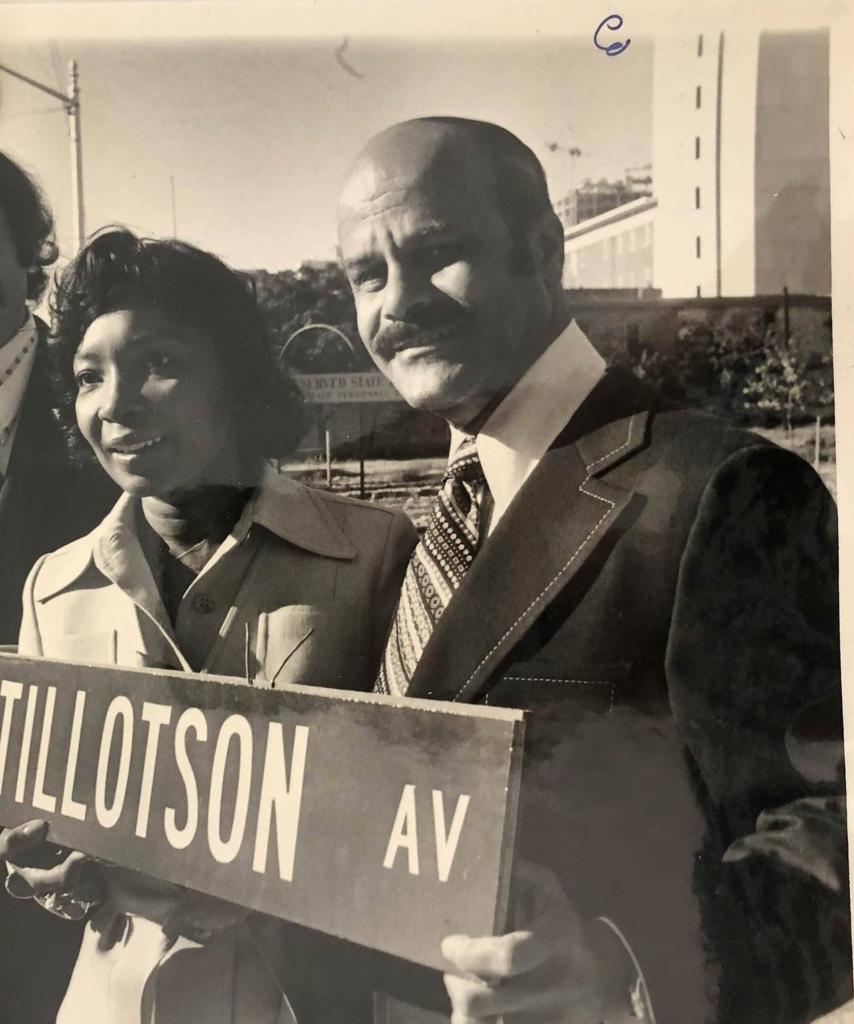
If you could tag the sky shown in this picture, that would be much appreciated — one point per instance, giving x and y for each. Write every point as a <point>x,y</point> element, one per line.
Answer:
<point>258,134</point>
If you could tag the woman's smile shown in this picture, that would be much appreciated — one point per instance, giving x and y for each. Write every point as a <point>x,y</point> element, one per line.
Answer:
<point>128,448</point>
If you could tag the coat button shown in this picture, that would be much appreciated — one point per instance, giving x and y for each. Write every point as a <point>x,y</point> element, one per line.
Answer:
<point>203,604</point>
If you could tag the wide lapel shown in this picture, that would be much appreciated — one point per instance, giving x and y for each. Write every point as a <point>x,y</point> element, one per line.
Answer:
<point>37,437</point>
<point>5,492</point>
<point>564,516</point>
<point>119,556</point>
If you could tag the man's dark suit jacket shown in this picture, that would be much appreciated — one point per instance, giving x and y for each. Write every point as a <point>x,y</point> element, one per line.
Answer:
<point>662,596</point>
<point>45,502</point>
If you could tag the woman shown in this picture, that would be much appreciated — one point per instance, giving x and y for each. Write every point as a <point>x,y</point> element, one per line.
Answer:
<point>207,563</point>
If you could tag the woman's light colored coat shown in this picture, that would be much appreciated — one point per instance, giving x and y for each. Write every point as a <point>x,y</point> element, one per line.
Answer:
<point>302,590</point>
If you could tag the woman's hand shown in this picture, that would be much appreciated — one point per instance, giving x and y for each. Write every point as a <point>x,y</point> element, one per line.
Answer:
<point>61,880</point>
<point>198,916</point>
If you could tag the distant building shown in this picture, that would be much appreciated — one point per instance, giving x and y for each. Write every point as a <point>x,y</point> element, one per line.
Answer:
<point>613,249</point>
<point>741,173</point>
<point>596,197</point>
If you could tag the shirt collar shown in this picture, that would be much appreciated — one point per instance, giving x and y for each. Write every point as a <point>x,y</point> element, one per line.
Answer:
<point>26,332</point>
<point>518,433</point>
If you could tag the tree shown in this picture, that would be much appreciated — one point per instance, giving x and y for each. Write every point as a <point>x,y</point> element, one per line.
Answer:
<point>318,292</point>
<point>784,384</point>
<point>740,366</point>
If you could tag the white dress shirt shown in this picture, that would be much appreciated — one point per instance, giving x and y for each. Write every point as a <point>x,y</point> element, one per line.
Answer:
<point>16,364</point>
<point>519,431</point>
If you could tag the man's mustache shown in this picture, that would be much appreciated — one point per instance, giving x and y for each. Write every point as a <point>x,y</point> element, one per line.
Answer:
<point>403,334</point>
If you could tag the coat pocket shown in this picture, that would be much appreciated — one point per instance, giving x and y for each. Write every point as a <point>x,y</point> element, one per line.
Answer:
<point>314,645</point>
<point>552,685</point>
<point>98,647</point>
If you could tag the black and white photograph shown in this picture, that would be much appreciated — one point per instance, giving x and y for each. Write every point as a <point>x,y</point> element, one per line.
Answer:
<point>425,454</point>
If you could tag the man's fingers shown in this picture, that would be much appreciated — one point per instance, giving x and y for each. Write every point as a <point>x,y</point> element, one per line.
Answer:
<point>492,958</point>
<point>15,840</point>
<point>61,878</point>
<point>470,998</point>
<point>534,994</point>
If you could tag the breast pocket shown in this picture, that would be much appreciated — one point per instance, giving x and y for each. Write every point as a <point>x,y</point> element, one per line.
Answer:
<point>549,686</point>
<point>314,645</point>
<point>97,647</point>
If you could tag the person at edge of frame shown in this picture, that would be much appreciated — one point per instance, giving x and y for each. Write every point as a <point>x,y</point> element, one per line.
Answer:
<point>209,562</point>
<point>658,587</point>
<point>43,503</point>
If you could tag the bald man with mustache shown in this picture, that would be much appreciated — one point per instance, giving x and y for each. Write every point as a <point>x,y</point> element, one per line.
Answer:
<point>655,585</point>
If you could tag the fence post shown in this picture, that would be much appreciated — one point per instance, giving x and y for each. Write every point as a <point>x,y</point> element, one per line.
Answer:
<point>327,440</point>
<point>361,454</point>
<point>817,456</point>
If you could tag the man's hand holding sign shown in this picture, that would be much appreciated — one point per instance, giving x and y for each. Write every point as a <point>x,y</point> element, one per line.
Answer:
<point>554,967</point>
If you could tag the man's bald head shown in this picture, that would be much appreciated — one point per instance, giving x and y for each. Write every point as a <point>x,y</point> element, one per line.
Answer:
<point>508,167</point>
<point>454,255</point>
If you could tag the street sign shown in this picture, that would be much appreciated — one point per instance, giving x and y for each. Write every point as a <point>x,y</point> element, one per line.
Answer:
<point>338,388</point>
<point>386,821</point>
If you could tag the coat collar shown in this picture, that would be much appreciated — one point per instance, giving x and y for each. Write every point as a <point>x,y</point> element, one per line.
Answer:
<point>285,507</point>
<point>300,516</point>
<point>560,526</point>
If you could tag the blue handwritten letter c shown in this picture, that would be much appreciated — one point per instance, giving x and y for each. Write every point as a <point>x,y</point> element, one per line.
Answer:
<point>612,22</point>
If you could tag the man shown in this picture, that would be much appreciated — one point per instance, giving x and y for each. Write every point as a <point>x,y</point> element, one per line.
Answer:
<point>656,586</point>
<point>44,503</point>
<point>44,500</point>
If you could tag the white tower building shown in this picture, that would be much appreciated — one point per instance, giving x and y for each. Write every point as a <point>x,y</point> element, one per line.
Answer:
<point>741,172</point>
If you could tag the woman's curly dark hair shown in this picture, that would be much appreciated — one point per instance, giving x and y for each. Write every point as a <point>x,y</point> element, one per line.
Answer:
<point>118,270</point>
<point>30,223</point>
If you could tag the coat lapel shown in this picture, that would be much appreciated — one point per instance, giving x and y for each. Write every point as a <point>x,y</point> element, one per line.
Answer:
<point>564,517</point>
<point>118,555</point>
<point>36,437</point>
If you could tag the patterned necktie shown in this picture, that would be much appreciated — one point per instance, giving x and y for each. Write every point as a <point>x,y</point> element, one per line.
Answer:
<point>436,569</point>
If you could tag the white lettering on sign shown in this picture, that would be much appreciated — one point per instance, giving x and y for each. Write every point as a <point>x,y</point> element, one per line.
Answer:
<point>404,832</point>
<point>107,815</point>
<point>10,692</point>
<point>156,716</point>
<point>71,807</point>
<point>203,782</point>
<point>281,798</point>
<point>180,838</point>
<point>26,741</point>
<point>234,727</point>
<point>44,801</point>
<point>446,843</point>
<point>336,389</point>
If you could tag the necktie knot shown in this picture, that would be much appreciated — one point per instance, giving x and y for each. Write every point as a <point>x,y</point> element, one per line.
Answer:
<point>465,464</point>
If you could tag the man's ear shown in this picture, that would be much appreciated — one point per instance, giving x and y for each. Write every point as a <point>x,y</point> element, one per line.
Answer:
<point>546,246</point>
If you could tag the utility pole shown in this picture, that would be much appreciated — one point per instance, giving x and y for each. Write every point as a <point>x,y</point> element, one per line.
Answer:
<point>71,104</point>
<point>72,109</point>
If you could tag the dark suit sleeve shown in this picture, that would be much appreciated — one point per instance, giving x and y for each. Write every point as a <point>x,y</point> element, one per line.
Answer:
<point>753,678</point>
